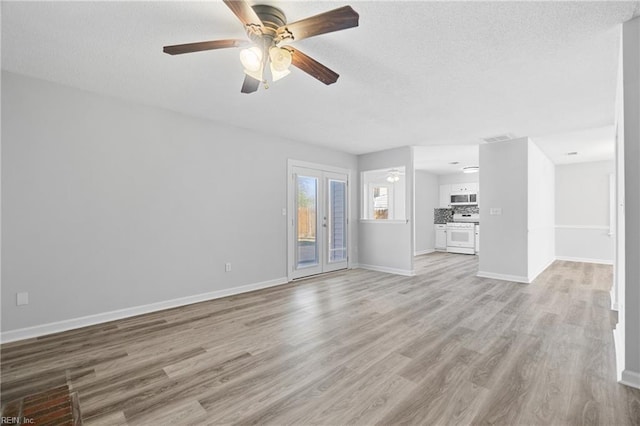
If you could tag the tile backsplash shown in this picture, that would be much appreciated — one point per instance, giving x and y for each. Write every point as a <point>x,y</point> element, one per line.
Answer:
<point>442,215</point>
<point>446,215</point>
<point>466,209</point>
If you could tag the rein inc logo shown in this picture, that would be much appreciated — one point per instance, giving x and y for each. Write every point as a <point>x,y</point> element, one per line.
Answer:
<point>18,420</point>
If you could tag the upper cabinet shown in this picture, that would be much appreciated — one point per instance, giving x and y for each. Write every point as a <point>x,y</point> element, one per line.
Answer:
<point>464,187</point>
<point>455,188</point>
<point>445,196</point>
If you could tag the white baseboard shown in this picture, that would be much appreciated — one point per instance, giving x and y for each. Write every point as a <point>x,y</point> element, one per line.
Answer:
<point>618,342</point>
<point>405,272</point>
<point>630,378</point>
<point>585,260</point>
<point>612,296</point>
<point>421,252</point>
<point>504,277</point>
<point>70,324</point>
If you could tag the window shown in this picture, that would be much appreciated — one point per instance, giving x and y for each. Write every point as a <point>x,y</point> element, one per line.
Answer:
<point>380,197</point>
<point>383,194</point>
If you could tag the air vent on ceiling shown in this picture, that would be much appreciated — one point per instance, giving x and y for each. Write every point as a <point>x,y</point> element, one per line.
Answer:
<point>499,138</point>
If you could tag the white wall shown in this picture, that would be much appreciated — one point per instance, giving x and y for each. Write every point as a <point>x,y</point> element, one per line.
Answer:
<point>109,205</point>
<point>458,178</point>
<point>541,208</point>
<point>631,312</point>
<point>388,245</point>
<point>426,199</point>
<point>503,182</point>
<point>582,212</point>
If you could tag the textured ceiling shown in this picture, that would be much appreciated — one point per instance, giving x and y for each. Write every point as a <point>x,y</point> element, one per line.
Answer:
<point>413,73</point>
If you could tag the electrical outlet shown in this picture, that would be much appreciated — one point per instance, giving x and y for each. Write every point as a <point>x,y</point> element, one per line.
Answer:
<point>227,267</point>
<point>22,299</point>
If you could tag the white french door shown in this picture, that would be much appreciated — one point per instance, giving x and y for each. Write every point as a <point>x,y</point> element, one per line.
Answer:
<point>318,224</point>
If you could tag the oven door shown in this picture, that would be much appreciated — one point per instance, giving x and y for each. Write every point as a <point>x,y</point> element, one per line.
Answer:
<point>460,238</point>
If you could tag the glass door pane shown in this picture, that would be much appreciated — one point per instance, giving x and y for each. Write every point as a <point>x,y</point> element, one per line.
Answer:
<point>307,219</point>
<point>337,221</point>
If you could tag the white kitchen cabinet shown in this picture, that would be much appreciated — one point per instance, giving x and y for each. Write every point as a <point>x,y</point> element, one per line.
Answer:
<point>477,239</point>
<point>464,187</point>
<point>441,237</point>
<point>445,196</point>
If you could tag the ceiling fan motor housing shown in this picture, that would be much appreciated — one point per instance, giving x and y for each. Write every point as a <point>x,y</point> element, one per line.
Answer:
<point>272,18</point>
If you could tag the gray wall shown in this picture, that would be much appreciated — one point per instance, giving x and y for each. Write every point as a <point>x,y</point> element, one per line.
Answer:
<point>631,82</point>
<point>384,245</point>
<point>108,205</point>
<point>503,183</point>
<point>583,210</point>
<point>426,199</point>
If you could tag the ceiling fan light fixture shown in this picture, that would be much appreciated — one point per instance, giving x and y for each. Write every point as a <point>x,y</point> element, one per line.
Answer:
<point>251,59</point>
<point>393,176</point>
<point>277,75</point>
<point>280,58</point>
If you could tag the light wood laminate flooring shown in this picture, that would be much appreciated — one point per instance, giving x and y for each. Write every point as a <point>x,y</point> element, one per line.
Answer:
<point>353,347</point>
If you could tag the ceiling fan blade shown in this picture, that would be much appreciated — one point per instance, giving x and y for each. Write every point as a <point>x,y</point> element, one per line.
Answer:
<point>203,45</point>
<point>245,14</point>
<point>250,84</point>
<point>312,67</point>
<point>334,20</point>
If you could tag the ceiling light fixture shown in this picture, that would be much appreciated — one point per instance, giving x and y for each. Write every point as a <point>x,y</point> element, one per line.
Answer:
<point>251,59</point>
<point>454,162</point>
<point>393,176</point>
<point>280,62</point>
<point>572,153</point>
<point>470,169</point>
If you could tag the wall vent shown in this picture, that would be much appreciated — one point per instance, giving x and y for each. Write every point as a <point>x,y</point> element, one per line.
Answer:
<point>499,138</point>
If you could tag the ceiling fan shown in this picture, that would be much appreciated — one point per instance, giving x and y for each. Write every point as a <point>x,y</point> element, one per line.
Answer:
<point>269,35</point>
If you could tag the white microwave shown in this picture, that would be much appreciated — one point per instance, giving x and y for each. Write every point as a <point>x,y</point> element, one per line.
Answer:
<point>464,199</point>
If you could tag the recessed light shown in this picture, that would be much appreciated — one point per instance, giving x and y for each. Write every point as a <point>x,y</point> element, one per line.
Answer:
<point>572,153</point>
<point>454,162</point>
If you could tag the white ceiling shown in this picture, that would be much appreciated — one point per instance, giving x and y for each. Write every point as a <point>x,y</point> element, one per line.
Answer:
<point>597,144</point>
<point>591,145</point>
<point>413,73</point>
<point>438,158</point>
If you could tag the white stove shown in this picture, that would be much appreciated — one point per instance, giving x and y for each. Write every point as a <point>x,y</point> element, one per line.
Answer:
<point>461,233</point>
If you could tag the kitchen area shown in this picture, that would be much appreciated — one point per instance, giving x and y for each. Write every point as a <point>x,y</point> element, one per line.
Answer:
<point>447,199</point>
<point>457,219</point>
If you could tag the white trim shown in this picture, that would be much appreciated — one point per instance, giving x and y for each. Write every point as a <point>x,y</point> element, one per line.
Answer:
<point>404,272</point>
<point>585,260</point>
<point>421,252</point>
<point>612,296</point>
<point>598,227</point>
<point>73,323</point>
<point>291,162</point>
<point>504,277</point>
<point>618,343</point>
<point>630,378</point>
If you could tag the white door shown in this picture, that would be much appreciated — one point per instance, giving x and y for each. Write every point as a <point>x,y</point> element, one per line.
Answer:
<point>318,226</point>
